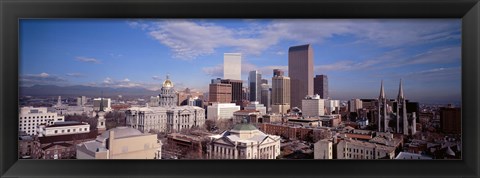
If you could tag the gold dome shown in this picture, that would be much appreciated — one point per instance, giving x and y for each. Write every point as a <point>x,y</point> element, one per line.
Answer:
<point>167,83</point>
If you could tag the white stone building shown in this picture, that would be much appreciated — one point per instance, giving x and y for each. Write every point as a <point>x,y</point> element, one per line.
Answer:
<point>313,106</point>
<point>63,128</point>
<point>355,149</point>
<point>244,141</point>
<point>121,143</point>
<point>232,66</point>
<point>255,105</point>
<point>162,119</point>
<point>30,118</point>
<point>218,111</point>
<point>323,149</point>
<point>168,95</point>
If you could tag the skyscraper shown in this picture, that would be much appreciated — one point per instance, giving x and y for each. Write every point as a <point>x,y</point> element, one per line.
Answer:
<point>236,89</point>
<point>254,83</point>
<point>232,63</point>
<point>300,71</point>
<point>320,86</point>
<point>220,92</point>
<point>280,92</point>
<point>265,96</point>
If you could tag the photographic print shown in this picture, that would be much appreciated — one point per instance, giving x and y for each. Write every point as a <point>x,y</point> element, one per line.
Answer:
<point>240,89</point>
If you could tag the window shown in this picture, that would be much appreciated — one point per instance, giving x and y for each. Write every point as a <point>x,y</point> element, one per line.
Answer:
<point>63,131</point>
<point>68,130</point>
<point>56,131</point>
<point>74,130</point>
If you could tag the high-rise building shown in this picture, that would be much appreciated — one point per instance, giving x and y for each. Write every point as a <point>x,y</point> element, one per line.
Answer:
<point>106,102</point>
<point>300,71</point>
<point>254,83</point>
<point>81,101</point>
<point>232,63</point>
<point>236,89</point>
<point>220,92</point>
<point>30,118</point>
<point>280,92</point>
<point>354,105</point>
<point>265,98</point>
<point>320,86</point>
<point>450,120</point>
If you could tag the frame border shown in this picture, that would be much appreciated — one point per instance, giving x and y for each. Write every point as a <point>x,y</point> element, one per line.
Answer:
<point>11,11</point>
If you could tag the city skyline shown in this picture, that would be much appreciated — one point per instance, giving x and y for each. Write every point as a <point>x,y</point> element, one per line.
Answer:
<point>357,54</point>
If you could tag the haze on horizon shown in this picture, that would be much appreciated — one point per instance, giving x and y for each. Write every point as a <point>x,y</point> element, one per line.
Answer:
<point>355,54</point>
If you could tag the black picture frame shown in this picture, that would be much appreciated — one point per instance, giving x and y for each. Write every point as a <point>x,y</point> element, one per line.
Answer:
<point>467,10</point>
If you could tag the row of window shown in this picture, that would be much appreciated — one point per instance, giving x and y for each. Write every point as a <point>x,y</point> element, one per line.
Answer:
<point>38,117</point>
<point>74,130</point>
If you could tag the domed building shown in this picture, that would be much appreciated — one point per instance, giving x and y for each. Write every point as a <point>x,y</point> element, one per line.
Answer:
<point>244,141</point>
<point>168,95</point>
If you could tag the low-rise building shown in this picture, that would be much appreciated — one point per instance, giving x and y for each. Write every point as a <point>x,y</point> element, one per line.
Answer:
<point>253,116</point>
<point>219,111</point>
<point>63,128</point>
<point>255,105</point>
<point>244,141</point>
<point>121,143</point>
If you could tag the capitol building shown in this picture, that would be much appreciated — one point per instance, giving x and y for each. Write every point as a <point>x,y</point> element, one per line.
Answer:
<point>167,117</point>
<point>244,141</point>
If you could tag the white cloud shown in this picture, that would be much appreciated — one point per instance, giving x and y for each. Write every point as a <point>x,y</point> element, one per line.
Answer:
<point>87,59</point>
<point>191,39</point>
<point>41,79</point>
<point>74,75</point>
<point>157,77</point>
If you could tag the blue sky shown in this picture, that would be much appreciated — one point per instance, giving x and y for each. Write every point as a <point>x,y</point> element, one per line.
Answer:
<point>355,54</point>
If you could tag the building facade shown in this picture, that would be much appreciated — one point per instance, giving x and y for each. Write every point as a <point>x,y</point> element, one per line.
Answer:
<point>232,66</point>
<point>255,105</point>
<point>220,92</point>
<point>236,93</point>
<point>244,141</point>
<point>63,128</point>
<point>313,106</point>
<point>300,71</point>
<point>168,96</point>
<point>121,143</point>
<point>30,118</point>
<point>254,85</point>
<point>320,86</point>
<point>219,111</point>
<point>280,92</point>
<point>160,119</point>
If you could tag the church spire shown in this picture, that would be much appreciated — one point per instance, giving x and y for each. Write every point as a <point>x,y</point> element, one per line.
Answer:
<point>382,91</point>
<point>400,90</point>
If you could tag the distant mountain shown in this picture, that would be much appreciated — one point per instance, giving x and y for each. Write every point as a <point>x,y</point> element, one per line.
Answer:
<point>81,90</point>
